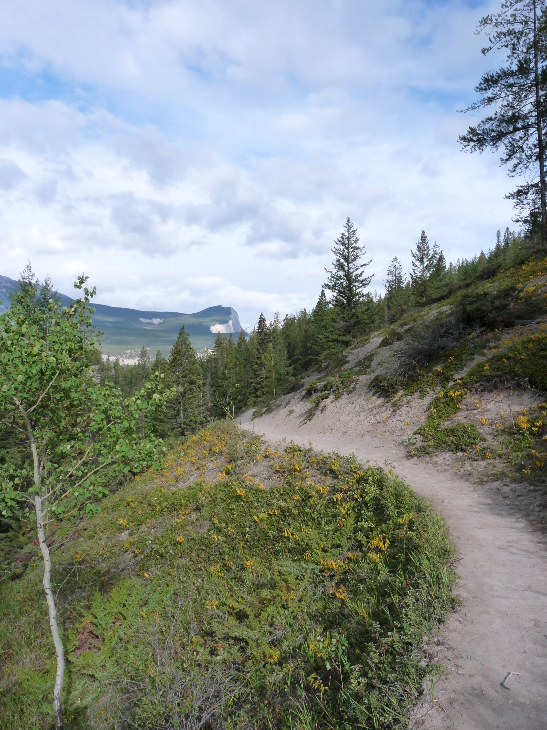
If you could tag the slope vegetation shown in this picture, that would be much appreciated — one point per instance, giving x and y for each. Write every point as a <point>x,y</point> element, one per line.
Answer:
<point>463,381</point>
<point>241,587</point>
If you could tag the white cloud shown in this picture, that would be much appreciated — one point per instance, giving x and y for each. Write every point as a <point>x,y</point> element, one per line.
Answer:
<point>191,153</point>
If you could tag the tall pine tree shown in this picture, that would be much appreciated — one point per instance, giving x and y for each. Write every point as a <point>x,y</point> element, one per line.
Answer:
<point>259,340</point>
<point>424,260</point>
<point>395,282</point>
<point>347,280</point>
<point>517,94</point>
<point>185,410</point>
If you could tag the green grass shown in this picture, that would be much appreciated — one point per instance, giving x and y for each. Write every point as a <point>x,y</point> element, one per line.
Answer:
<point>455,437</point>
<point>512,296</point>
<point>524,447</point>
<point>523,364</point>
<point>516,362</point>
<point>258,589</point>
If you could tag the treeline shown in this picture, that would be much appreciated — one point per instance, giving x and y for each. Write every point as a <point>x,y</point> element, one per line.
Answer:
<point>250,371</point>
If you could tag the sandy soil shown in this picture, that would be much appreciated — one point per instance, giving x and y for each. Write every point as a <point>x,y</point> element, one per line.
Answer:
<point>501,626</point>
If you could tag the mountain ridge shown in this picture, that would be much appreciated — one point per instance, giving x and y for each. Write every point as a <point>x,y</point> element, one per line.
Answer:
<point>125,329</point>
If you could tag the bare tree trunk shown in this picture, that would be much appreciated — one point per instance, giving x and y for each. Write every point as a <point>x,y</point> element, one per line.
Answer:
<point>59,677</point>
<point>58,642</point>
<point>540,136</point>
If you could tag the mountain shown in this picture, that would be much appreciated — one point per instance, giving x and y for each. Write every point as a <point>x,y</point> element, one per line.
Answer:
<point>127,330</point>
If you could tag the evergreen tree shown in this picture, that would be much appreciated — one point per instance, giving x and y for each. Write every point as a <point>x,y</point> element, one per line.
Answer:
<point>159,364</point>
<point>259,341</point>
<point>143,367</point>
<point>395,282</point>
<point>185,410</point>
<point>243,367</point>
<point>323,339</point>
<point>438,272</point>
<point>277,368</point>
<point>424,259</point>
<point>347,280</point>
<point>158,421</point>
<point>518,94</point>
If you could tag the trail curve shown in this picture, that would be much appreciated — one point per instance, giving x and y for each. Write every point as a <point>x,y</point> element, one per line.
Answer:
<point>501,626</point>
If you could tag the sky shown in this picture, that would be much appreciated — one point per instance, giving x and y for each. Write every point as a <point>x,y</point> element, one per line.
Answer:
<point>190,153</point>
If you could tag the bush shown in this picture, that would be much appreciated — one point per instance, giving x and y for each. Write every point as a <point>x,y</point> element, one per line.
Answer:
<point>487,308</point>
<point>523,363</point>
<point>457,437</point>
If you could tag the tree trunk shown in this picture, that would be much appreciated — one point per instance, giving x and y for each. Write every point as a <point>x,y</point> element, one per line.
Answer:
<point>58,642</point>
<point>540,136</point>
<point>59,677</point>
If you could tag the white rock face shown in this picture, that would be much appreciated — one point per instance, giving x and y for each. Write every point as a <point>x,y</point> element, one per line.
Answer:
<point>233,325</point>
<point>155,320</point>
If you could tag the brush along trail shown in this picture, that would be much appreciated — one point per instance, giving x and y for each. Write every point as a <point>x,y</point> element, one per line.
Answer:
<point>501,625</point>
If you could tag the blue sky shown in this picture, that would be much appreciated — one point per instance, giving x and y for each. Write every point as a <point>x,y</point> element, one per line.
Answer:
<point>189,153</point>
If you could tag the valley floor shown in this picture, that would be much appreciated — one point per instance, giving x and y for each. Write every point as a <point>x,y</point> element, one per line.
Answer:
<point>501,625</point>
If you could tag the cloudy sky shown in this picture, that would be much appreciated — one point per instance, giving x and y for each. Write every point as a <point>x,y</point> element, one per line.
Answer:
<point>188,153</point>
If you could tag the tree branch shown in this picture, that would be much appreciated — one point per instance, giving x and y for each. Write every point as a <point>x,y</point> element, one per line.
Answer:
<point>44,393</point>
<point>75,486</point>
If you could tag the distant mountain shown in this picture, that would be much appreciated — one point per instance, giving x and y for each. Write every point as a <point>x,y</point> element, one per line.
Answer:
<point>7,287</point>
<point>126,330</point>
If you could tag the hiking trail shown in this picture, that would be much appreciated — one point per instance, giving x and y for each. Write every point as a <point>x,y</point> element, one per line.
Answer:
<point>501,624</point>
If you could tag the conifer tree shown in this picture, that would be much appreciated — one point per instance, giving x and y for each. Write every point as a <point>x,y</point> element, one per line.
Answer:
<point>395,281</point>
<point>243,366</point>
<point>277,369</point>
<point>347,280</point>
<point>185,410</point>
<point>517,92</point>
<point>424,260</point>
<point>159,364</point>
<point>260,343</point>
<point>143,367</point>
<point>323,339</point>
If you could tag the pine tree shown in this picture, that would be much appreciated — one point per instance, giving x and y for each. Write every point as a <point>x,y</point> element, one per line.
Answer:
<point>395,282</point>
<point>157,420</point>
<point>185,411</point>
<point>347,280</point>
<point>322,334</point>
<point>159,364</point>
<point>424,260</point>
<point>277,368</point>
<point>143,367</point>
<point>518,94</point>
<point>243,367</point>
<point>259,341</point>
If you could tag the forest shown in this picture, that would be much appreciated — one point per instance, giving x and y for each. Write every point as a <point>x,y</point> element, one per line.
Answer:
<point>252,371</point>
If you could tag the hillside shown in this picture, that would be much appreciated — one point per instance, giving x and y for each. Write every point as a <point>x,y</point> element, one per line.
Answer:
<point>241,586</point>
<point>462,381</point>
<point>130,329</point>
<point>453,398</point>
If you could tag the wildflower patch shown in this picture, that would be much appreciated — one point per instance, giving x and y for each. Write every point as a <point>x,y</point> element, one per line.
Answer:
<point>311,588</point>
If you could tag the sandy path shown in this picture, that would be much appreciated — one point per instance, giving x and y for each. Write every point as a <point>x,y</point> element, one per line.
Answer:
<point>501,626</point>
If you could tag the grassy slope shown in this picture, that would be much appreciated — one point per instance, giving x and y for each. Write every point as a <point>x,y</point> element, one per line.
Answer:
<point>497,334</point>
<point>255,589</point>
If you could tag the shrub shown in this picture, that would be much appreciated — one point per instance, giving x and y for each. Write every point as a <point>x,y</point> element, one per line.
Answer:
<point>523,363</point>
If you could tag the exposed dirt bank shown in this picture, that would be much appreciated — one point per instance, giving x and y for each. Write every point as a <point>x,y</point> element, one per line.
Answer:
<point>501,626</point>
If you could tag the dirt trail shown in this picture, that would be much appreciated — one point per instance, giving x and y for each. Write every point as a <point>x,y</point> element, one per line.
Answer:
<point>501,626</point>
